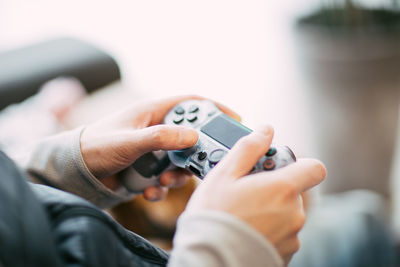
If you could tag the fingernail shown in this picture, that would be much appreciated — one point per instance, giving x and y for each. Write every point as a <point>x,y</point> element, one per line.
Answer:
<point>153,196</point>
<point>150,194</point>
<point>167,181</point>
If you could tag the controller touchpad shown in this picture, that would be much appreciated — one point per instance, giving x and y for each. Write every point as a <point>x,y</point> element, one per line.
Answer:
<point>225,130</point>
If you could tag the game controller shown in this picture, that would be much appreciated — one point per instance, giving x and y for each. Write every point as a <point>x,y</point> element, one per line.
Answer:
<point>217,134</point>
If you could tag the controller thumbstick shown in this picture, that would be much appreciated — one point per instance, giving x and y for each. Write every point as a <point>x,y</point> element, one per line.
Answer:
<point>269,164</point>
<point>187,152</point>
<point>216,156</point>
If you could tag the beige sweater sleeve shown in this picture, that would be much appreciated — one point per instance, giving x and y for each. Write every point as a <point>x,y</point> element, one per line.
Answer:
<point>57,161</point>
<point>218,239</point>
<point>208,238</point>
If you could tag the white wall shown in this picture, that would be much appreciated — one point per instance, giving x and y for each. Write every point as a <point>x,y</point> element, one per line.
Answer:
<point>235,51</point>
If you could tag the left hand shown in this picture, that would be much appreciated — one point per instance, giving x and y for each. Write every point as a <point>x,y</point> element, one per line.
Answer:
<point>115,142</point>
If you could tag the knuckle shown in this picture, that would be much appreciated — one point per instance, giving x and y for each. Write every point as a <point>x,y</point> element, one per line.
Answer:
<point>249,142</point>
<point>299,222</point>
<point>245,142</point>
<point>289,190</point>
<point>159,134</point>
<point>296,244</point>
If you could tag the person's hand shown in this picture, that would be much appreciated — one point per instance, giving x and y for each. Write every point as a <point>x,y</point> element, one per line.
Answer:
<point>270,202</point>
<point>115,142</point>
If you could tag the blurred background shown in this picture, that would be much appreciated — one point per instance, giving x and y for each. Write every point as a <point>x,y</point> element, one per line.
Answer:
<point>236,52</point>
<point>329,88</point>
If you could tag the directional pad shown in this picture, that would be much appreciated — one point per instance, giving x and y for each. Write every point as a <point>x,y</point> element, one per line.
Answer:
<point>179,110</point>
<point>193,108</point>
<point>178,119</point>
<point>191,117</point>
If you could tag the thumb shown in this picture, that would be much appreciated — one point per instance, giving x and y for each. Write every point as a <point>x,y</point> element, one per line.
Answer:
<point>305,174</point>
<point>245,153</point>
<point>165,137</point>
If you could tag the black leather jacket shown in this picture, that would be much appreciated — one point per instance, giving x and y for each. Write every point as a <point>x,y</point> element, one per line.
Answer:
<point>43,226</point>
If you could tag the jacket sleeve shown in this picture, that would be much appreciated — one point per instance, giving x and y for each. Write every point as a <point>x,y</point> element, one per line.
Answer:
<point>57,161</point>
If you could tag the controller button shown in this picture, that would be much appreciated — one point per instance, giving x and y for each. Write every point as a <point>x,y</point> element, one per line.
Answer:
<point>179,110</point>
<point>191,117</point>
<point>211,113</point>
<point>202,155</point>
<point>178,119</point>
<point>216,156</point>
<point>193,109</point>
<point>269,164</point>
<point>271,152</point>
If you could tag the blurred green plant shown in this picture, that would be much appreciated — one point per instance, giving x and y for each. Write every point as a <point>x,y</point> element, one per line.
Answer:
<point>353,14</point>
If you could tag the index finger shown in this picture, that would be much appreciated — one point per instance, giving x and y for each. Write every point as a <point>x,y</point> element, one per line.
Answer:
<point>161,107</point>
<point>303,174</point>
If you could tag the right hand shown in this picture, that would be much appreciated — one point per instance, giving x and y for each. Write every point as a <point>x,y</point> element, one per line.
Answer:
<point>270,202</point>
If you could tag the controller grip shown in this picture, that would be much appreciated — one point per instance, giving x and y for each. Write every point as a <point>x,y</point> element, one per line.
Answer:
<point>145,171</point>
<point>136,183</point>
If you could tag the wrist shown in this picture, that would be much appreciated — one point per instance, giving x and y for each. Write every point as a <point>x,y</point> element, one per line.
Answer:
<point>90,153</point>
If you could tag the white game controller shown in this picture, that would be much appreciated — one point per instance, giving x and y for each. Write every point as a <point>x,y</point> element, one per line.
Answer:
<point>217,135</point>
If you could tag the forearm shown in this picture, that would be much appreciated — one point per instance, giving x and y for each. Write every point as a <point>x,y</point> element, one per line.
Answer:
<point>214,238</point>
<point>57,161</point>
<point>202,239</point>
